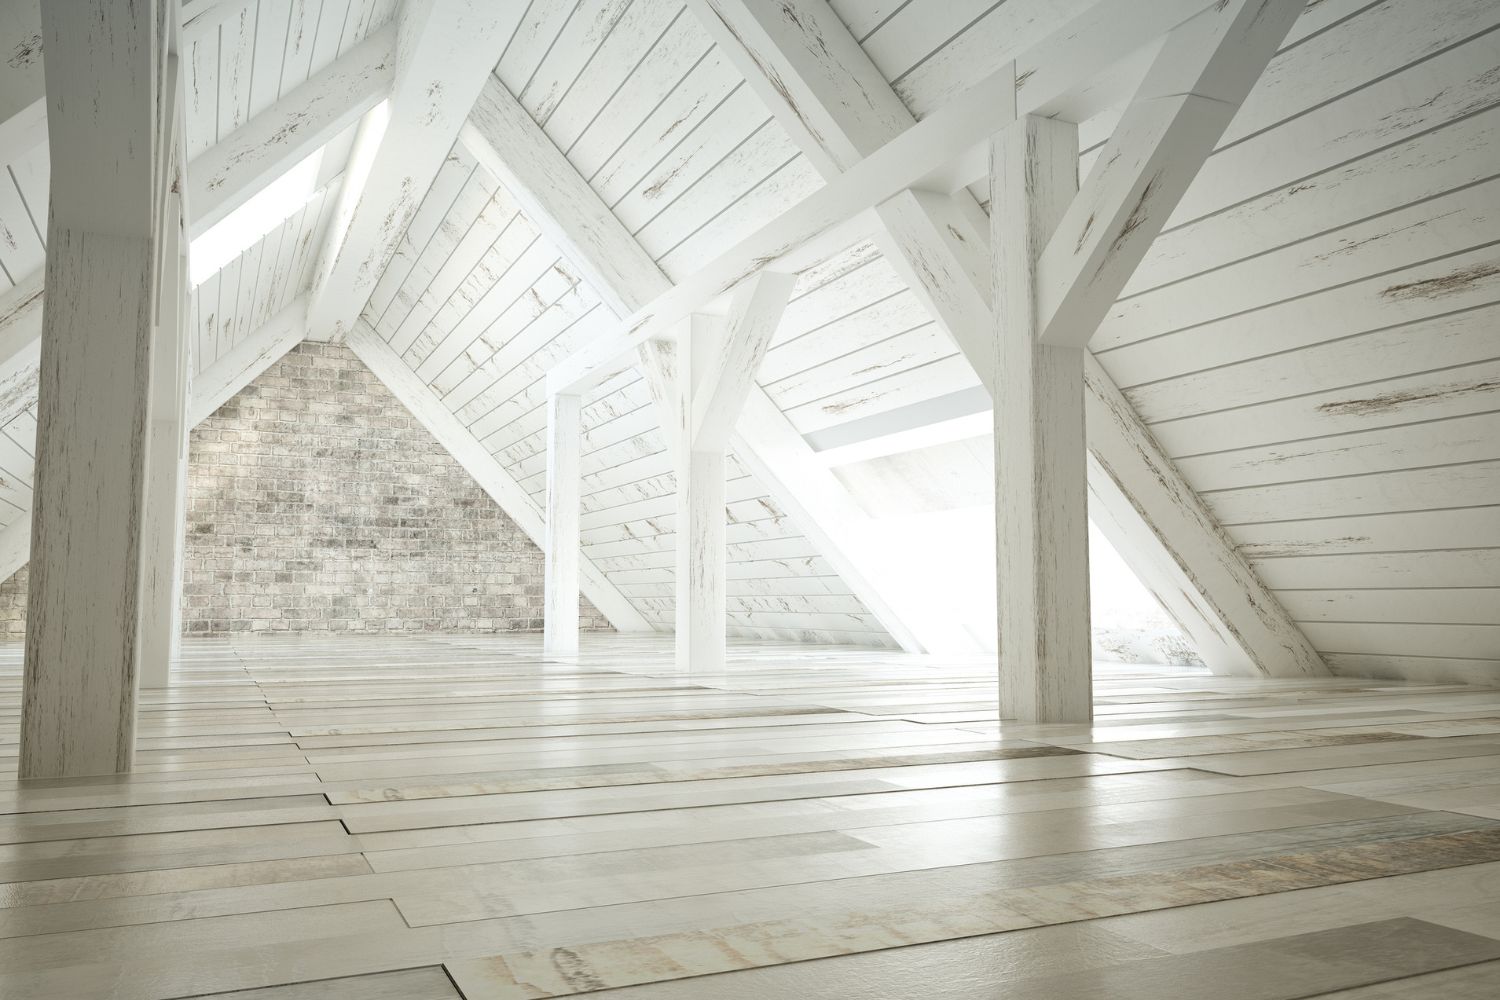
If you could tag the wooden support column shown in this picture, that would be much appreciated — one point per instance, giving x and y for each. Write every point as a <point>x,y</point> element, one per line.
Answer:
<point>1041,493</point>
<point>167,446</point>
<point>564,500</point>
<point>714,371</point>
<point>104,69</point>
<point>701,605</point>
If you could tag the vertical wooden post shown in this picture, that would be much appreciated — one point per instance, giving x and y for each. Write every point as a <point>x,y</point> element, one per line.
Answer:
<point>702,609</point>
<point>160,625</point>
<point>564,499</point>
<point>1041,494</point>
<point>104,70</point>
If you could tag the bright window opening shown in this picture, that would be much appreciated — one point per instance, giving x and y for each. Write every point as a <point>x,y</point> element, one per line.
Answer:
<point>240,229</point>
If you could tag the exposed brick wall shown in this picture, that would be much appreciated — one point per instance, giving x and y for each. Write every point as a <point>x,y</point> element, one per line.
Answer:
<point>13,606</point>
<point>316,502</point>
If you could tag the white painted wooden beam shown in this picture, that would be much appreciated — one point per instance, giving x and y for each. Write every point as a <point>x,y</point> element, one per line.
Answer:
<point>20,345</point>
<point>505,140</point>
<point>103,83</point>
<point>1041,500</point>
<point>225,175</point>
<point>246,360</point>
<point>444,54</point>
<point>755,310</point>
<point>902,163</point>
<point>1235,623</point>
<point>159,619</point>
<point>23,106</point>
<point>440,422</point>
<point>940,246</point>
<point>715,370</point>
<point>1197,82</point>
<point>564,509</point>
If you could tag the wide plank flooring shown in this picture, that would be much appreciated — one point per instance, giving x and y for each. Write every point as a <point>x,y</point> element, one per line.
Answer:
<point>427,818</point>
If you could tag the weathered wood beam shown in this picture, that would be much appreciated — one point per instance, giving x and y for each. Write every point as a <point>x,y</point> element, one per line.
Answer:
<point>1041,500</point>
<point>160,623</point>
<point>1139,498</point>
<point>1197,82</point>
<point>940,246</point>
<point>20,345</point>
<point>444,54</point>
<point>564,509</point>
<point>505,140</point>
<point>702,603</point>
<point>245,361</point>
<point>450,432</point>
<point>902,163</point>
<point>23,105</point>
<point>715,371</point>
<point>224,176</point>
<point>105,112</point>
<point>729,369</point>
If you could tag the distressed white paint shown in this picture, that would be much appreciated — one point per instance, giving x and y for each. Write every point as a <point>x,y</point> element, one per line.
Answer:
<point>564,507</point>
<point>790,241</point>
<point>505,140</point>
<point>1210,590</point>
<point>1198,80</point>
<point>1041,507</point>
<point>731,365</point>
<point>444,54</point>
<point>103,71</point>
<point>225,175</point>
<point>243,363</point>
<point>160,620</point>
<point>939,246</point>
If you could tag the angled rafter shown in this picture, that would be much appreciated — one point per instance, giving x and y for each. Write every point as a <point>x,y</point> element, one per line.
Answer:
<point>505,140</point>
<point>228,173</point>
<point>1197,82</point>
<point>794,239</point>
<point>444,54</point>
<point>808,69</point>
<point>487,472</point>
<point>246,360</point>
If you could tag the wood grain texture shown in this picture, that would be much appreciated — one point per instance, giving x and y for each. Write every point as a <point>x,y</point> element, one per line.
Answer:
<point>444,55</point>
<point>564,444</point>
<point>1041,499</point>
<point>94,389</point>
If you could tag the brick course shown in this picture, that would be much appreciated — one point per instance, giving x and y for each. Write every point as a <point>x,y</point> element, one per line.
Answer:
<point>317,503</point>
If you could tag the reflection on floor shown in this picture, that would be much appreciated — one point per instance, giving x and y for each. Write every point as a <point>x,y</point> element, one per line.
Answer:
<point>424,818</point>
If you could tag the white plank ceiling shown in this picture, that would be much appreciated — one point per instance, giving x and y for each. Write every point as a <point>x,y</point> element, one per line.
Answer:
<point>1314,338</point>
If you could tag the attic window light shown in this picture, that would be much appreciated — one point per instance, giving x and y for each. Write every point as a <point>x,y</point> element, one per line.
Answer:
<point>263,212</point>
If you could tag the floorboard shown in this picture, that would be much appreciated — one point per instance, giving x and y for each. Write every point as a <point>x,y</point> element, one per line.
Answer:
<point>429,818</point>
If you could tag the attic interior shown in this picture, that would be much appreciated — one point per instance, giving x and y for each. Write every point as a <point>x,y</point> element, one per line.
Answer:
<point>749,499</point>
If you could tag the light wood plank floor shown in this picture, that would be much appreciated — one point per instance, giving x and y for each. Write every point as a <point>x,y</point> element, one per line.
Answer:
<point>429,818</point>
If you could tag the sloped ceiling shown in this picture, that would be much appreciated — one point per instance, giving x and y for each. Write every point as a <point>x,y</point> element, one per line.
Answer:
<point>1311,339</point>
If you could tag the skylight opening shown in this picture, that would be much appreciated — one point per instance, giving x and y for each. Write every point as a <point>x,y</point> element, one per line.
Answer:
<point>263,212</point>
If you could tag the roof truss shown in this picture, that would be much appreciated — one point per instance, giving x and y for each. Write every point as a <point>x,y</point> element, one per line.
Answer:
<point>839,109</point>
